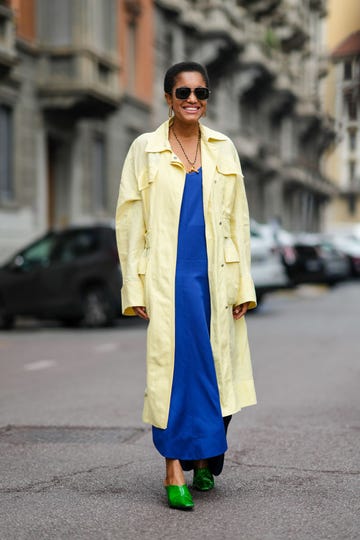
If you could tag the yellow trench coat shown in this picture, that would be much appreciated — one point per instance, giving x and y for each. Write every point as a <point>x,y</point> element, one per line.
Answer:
<point>147,220</point>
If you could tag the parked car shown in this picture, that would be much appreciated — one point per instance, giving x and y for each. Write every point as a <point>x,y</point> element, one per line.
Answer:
<point>279,240</point>
<point>71,275</point>
<point>267,269</point>
<point>318,261</point>
<point>349,245</point>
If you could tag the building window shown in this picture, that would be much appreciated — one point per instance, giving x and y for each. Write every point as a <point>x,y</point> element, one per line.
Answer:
<point>348,70</point>
<point>133,8</point>
<point>104,73</point>
<point>352,168</point>
<point>6,152</point>
<point>169,48</point>
<point>55,20</point>
<point>132,54</point>
<point>352,107</point>
<point>352,140</point>
<point>99,173</point>
<point>286,140</point>
<point>248,116</point>
<point>104,25</point>
<point>3,25</point>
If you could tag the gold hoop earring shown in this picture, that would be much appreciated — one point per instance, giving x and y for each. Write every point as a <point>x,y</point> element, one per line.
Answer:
<point>170,111</point>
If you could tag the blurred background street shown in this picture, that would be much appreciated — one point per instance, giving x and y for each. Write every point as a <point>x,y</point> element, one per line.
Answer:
<point>77,462</point>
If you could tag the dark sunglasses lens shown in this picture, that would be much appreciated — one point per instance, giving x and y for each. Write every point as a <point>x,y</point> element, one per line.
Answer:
<point>202,93</point>
<point>182,93</point>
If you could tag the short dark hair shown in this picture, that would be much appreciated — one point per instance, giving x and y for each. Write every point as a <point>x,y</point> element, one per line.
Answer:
<point>174,70</point>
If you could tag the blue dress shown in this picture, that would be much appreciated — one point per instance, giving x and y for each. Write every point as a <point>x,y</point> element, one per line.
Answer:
<point>195,427</point>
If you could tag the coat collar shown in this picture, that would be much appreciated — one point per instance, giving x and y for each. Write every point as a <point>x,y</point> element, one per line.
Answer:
<point>158,140</point>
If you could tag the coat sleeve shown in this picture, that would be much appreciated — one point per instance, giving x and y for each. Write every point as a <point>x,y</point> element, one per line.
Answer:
<point>240,230</point>
<point>130,235</point>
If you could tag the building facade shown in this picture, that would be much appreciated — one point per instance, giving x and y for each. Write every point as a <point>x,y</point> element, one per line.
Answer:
<point>342,161</point>
<point>266,60</point>
<point>75,87</point>
<point>79,79</point>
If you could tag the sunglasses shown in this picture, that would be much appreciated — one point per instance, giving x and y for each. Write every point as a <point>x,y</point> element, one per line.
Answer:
<point>184,92</point>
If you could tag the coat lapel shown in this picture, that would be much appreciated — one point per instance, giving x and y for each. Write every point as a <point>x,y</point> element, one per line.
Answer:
<point>158,142</point>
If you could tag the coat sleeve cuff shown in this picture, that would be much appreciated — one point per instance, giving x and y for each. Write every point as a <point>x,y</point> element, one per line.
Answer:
<point>132,294</point>
<point>247,293</point>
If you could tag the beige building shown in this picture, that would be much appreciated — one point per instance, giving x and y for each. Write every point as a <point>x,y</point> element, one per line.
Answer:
<point>342,102</point>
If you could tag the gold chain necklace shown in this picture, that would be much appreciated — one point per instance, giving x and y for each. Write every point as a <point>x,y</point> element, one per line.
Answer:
<point>192,163</point>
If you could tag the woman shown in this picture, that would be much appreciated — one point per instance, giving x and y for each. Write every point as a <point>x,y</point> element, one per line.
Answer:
<point>183,238</point>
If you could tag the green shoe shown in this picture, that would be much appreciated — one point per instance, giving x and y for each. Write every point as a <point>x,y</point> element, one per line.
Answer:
<point>179,497</point>
<point>203,479</point>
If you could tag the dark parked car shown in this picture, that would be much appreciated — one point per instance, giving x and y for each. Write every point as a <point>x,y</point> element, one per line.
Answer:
<point>318,261</point>
<point>350,246</point>
<point>71,275</point>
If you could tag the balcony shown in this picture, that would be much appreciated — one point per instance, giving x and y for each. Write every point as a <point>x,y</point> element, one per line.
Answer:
<point>300,173</point>
<point>8,56</point>
<point>78,82</point>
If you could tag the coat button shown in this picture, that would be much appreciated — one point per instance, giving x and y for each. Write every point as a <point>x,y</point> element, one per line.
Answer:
<point>226,307</point>
<point>220,222</point>
<point>222,266</point>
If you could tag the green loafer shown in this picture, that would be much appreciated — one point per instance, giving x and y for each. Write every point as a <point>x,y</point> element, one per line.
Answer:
<point>203,479</point>
<point>179,497</point>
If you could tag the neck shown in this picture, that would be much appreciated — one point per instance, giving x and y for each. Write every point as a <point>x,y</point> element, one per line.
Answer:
<point>186,130</point>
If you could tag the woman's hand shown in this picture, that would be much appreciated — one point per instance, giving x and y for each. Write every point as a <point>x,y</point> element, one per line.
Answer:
<point>239,311</point>
<point>141,312</point>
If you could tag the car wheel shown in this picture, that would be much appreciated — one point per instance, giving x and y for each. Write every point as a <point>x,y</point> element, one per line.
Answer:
<point>6,321</point>
<point>97,308</point>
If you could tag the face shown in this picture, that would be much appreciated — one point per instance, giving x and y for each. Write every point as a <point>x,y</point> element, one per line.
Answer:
<point>191,109</point>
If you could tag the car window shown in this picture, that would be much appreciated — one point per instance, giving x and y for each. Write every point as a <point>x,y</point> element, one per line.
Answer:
<point>328,250</point>
<point>306,251</point>
<point>39,254</point>
<point>76,245</point>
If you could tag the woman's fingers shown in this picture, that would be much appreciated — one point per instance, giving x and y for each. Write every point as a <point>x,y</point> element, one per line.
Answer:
<point>239,311</point>
<point>141,312</point>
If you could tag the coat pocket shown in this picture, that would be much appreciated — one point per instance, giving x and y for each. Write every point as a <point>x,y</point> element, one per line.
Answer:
<point>232,271</point>
<point>227,166</point>
<point>149,174</point>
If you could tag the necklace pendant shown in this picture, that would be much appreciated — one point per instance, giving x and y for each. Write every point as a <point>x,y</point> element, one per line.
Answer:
<point>193,169</point>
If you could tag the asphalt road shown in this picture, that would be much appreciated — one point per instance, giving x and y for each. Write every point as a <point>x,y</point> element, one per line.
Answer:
<point>76,462</point>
